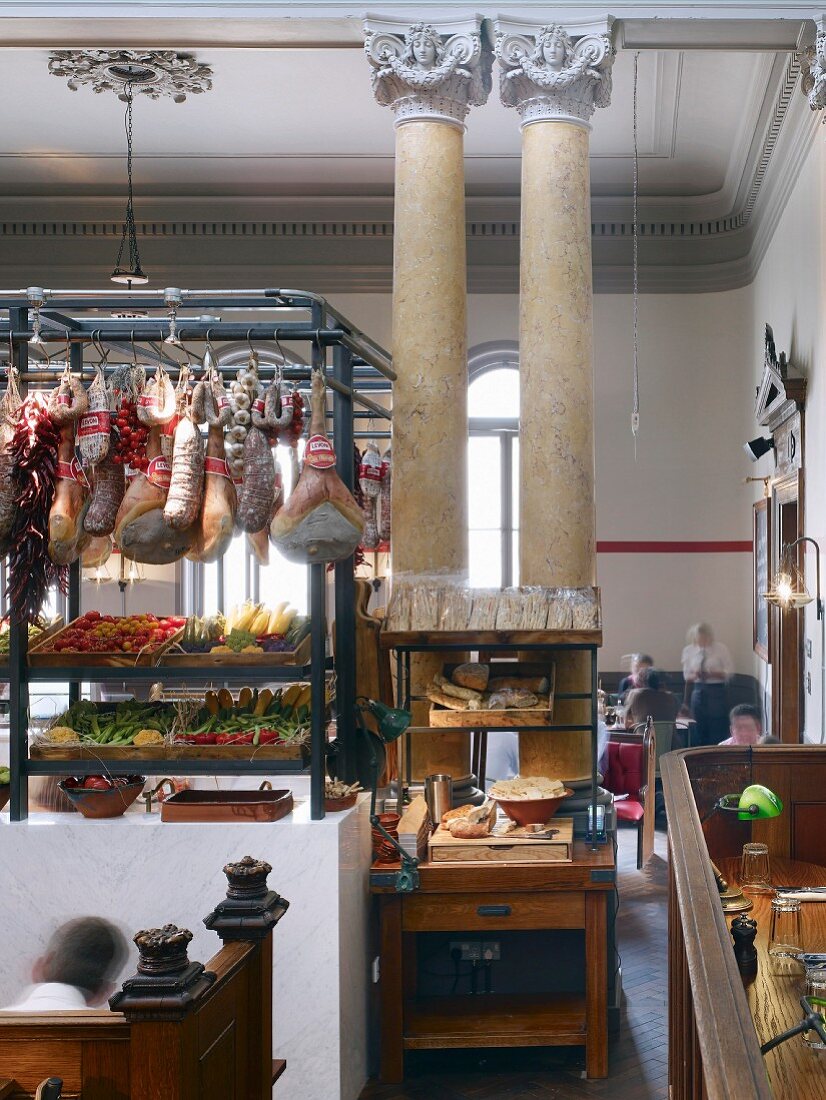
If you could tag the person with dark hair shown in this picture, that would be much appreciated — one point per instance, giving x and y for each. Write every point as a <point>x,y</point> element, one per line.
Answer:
<point>650,698</point>
<point>639,662</point>
<point>78,969</point>
<point>745,725</point>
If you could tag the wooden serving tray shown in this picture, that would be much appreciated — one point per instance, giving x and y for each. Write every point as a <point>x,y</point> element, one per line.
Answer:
<point>294,657</point>
<point>516,848</point>
<point>485,719</point>
<point>38,658</point>
<point>471,638</point>
<point>227,806</point>
<point>128,753</point>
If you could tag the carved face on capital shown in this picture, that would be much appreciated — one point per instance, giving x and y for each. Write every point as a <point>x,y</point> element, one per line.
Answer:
<point>424,50</point>
<point>554,52</point>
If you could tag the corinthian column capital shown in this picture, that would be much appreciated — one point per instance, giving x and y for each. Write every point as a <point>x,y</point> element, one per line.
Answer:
<point>550,73</point>
<point>813,66</point>
<point>430,72</point>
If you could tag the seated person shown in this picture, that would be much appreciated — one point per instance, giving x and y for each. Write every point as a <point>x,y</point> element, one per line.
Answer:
<point>79,968</point>
<point>639,662</point>
<point>650,699</point>
<point>745,725</point>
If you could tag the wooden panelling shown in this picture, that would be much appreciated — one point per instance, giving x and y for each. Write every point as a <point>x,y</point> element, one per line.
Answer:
<point>106,1070</point>
<point>534,1020</point>
<point>809,833</point>
<point>217,1068</point>
<point>424,913</point>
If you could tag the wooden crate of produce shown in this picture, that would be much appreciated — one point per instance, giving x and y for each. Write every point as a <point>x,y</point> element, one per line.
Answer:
<point>70,658</point>
<point>517,847</point>
<point>287,658</point>
<point>130,753</point>
<point>38,640</point>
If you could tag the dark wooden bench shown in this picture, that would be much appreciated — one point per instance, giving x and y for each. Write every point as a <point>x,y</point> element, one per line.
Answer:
<point>176,1029</point>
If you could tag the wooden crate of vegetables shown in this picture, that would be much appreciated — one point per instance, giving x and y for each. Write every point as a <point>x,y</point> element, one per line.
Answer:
<point>107,731</point>
<point>37,635</point>
<point>489,696</point>
<point>252,635</point>
<point>265,725</point>
<point>108,641</point>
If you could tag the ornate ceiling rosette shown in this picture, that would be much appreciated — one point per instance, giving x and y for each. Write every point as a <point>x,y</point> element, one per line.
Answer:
<point>154,73</point>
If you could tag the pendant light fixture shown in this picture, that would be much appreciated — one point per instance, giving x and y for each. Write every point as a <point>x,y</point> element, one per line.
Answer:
<point>153,73</point>
<point>132,273</point>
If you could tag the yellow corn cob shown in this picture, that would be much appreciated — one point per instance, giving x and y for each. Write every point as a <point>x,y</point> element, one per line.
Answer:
<point>283,624</point>
<point>260,623</point>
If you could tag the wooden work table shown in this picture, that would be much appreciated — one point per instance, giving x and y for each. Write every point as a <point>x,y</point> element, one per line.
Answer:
<point>774,996</point>
<point>488,898</point>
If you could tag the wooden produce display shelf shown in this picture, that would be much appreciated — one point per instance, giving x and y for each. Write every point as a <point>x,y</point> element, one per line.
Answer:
<point>526,1020</point>
<point>49,632</point>
<point>472,639</point>
<point>294,658</point>
<point>172,753</point>
<point>38,657</point>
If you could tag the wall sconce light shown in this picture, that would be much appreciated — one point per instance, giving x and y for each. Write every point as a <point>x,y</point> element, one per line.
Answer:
<point>788,589</point>
<point>756,448</point>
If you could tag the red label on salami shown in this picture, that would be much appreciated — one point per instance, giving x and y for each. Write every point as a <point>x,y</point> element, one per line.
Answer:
<point>64,399</point>
<point>93,424</point>
<point>287,401</point>
<point>223,401</point>
<point>71,471</point>
<point>149,400</point>
<point>216,466</point>
<point>159,472</point>
<point>170,426</point>
<point>370,472</point>
<point>258,405</point>
<point>319,452</point>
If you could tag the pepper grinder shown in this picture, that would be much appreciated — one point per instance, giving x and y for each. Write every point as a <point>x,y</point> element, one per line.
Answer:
<point>744,931</point>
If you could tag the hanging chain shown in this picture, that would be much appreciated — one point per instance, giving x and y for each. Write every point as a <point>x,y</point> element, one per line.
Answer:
<point>129,231</point>
<point>635,411</point>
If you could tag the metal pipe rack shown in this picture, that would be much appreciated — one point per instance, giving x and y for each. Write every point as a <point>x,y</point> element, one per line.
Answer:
<point>75,319</point>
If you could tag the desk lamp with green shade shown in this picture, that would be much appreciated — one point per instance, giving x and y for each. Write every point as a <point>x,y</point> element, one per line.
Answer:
<point>756,803</point>
<point>370,762</point>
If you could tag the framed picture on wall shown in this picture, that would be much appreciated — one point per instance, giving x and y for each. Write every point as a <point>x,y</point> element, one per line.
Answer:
<point>762,555</point>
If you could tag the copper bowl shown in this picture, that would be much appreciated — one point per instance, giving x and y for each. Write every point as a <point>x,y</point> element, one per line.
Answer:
<point>111,803</point>
<point>533,811</point>
<point>336,805</point>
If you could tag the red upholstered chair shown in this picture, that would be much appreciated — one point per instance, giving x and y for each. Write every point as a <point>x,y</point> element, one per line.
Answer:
<point>630,771</point>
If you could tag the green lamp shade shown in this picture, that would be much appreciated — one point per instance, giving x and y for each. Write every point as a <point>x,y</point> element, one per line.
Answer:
<point>758,801</point>
<point>392,721</point>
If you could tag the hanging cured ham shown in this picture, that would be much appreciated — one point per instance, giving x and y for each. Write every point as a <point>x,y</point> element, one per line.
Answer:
<point>216,523</point>
<point>321,521</point>
<point>140,528</point>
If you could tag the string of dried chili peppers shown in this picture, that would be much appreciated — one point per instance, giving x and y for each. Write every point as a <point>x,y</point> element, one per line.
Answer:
<point>34,454</point>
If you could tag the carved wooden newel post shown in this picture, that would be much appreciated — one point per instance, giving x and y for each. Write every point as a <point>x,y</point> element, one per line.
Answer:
<point>205,1035</point>
<point>430,77</point>
<point>555,78</point>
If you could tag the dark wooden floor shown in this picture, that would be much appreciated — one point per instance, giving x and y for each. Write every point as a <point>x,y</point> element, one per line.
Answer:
<point>638,1055</point>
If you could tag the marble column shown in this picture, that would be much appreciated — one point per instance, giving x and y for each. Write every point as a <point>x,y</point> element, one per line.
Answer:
<point>430,76</point>
<point>555,79</point>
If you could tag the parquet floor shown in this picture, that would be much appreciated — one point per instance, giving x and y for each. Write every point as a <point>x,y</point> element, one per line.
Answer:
<point>638,1067</point>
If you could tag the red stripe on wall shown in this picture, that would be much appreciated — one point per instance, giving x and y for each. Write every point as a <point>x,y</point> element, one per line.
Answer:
<point>732,547</point>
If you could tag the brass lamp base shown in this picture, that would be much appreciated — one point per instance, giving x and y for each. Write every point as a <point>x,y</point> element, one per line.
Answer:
<point>735,901</point>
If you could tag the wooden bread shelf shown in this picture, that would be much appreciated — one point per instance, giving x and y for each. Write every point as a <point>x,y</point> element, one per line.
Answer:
<point>526,1020</point>
<point>472,639</point>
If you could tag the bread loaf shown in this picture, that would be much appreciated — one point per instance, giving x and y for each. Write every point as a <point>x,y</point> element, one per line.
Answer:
<point>462,829</point>
<point>458,692</point>
<point>436,695</point>
<point>472,675</point>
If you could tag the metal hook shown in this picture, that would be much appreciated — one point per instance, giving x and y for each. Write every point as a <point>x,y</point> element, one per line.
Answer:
<point>134,349</point>
<point>279,367</point>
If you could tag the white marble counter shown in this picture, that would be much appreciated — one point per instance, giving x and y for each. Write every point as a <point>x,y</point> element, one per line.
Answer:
<point>142,873</point>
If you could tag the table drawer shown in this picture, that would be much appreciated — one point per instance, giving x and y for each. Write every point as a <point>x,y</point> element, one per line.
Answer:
<point>478,912</point>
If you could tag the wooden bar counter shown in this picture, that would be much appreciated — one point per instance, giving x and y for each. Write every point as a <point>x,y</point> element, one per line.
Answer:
<point>473,898</point>
<point>716,1022</point>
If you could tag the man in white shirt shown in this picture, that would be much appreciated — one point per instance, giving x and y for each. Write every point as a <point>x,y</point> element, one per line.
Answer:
<point>79,968</point>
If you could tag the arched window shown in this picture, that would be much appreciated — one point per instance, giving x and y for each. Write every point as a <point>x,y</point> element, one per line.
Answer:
<point>493,465</point>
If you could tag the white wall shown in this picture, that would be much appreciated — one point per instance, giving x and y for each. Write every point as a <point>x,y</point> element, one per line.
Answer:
<point>788,293</point>
<point>685,482</point>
